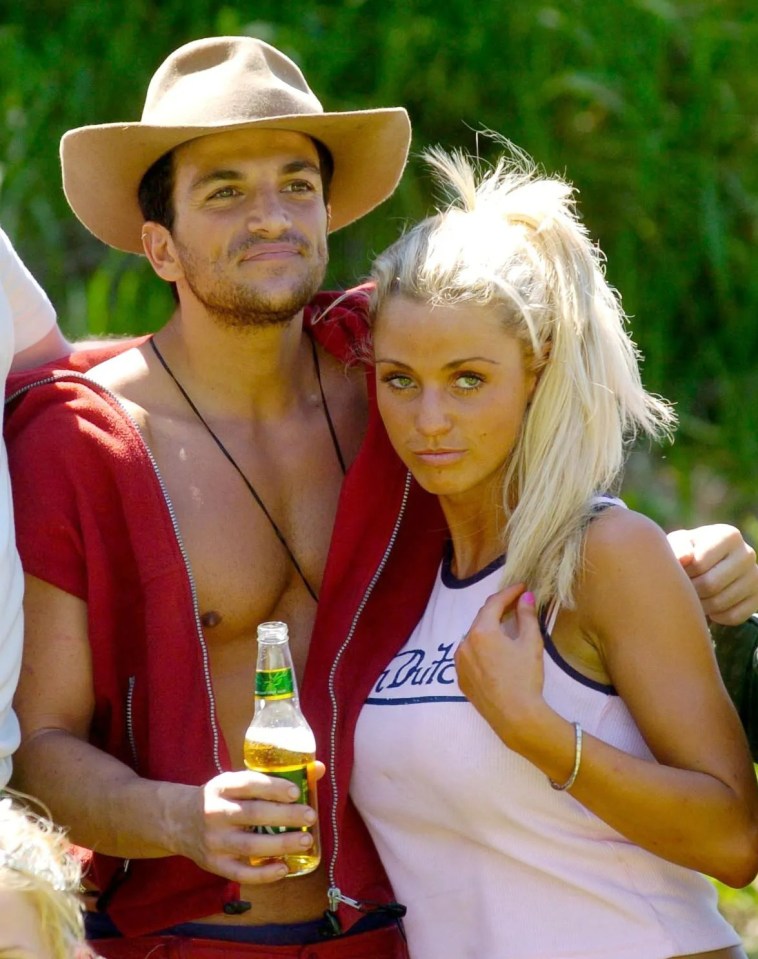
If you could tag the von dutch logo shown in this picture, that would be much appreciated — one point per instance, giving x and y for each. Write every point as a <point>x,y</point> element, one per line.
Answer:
<point>417,667</point>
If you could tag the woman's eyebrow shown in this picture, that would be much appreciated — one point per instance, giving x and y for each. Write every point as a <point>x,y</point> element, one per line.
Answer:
<point>448,366</point>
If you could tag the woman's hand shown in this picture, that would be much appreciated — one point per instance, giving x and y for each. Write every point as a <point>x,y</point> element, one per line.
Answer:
<point>499,663</point>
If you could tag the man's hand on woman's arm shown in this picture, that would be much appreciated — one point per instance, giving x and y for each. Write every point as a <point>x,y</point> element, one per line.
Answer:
<point>722,568</point>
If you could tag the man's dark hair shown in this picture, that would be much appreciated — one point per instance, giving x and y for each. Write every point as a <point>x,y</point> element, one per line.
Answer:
<point>156,189</point>
<point>326,167</point>
<point>156,192</point>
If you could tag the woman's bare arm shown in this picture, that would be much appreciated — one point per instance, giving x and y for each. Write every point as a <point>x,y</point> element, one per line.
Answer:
<point>698,804</point>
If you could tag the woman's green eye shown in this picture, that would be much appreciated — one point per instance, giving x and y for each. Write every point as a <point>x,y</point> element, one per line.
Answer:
<point>398,381</point>
<point>468,381</point>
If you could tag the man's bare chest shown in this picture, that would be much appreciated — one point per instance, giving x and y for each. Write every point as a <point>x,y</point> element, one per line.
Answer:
<point>253,496</point>
<point>256,531</point>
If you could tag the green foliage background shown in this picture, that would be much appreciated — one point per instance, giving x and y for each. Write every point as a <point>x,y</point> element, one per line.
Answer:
<point>649,106</point>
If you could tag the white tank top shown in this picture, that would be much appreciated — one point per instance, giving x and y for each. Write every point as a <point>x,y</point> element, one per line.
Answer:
<point>492,862</point>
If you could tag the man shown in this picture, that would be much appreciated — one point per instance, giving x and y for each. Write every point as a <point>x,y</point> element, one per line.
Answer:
<point>230,459</point>
<point>29,334</point>
<point>188,490</point>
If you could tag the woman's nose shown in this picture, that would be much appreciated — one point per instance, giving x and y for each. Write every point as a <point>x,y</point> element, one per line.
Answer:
<point>432,418</point>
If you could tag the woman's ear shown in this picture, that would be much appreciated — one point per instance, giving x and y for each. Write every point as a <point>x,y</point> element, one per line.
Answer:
<point>538,367</point>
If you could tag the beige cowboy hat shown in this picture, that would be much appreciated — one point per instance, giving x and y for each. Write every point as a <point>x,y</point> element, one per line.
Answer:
<point>211,86</point>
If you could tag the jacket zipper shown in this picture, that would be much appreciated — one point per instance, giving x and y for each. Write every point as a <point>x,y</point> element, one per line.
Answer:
<point>334,894</point>
<point>182,549</point>
<point>130,721</point>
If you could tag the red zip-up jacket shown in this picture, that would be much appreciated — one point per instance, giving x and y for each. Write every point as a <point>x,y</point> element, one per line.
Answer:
<point>93,518</point>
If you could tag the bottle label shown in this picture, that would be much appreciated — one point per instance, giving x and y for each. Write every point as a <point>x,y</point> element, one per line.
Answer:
<point>299,776</point>
<point>274,683</point>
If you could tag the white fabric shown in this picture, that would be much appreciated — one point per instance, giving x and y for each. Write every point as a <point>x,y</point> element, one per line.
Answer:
<point>26,316</point>
<point>489,859</point>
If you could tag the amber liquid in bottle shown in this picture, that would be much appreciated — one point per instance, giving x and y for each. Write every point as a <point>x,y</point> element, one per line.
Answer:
<point>279,741</point>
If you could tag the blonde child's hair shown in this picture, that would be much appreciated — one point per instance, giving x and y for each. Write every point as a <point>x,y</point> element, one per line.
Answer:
<point>35,861</point>
<point>510,238</point>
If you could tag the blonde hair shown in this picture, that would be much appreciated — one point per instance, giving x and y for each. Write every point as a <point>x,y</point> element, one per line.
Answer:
<point>35,861</point>
<point>510,238</point>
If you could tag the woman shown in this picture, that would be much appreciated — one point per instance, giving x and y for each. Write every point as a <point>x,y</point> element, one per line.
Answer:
<point>550,781</point>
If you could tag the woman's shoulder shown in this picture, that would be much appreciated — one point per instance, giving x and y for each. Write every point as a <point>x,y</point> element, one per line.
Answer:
<point>626,555</point>
<point>616,531</point>
<point>634,602</point>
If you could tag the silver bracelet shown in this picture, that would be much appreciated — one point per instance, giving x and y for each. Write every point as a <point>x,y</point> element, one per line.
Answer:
<point>577,761</point>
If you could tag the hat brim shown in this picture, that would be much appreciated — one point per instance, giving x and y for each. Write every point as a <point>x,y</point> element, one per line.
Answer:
<point>103,165</point>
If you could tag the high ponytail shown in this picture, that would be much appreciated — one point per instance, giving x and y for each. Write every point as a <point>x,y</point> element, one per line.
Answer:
<point>510,238</point>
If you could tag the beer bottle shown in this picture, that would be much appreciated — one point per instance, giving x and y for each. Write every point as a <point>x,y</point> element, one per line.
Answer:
<point>279,741</point>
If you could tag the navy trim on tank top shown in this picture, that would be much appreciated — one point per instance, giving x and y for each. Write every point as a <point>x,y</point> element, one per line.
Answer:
<point>567,668</point>
<point>449,578</point>
<point>451,581</point>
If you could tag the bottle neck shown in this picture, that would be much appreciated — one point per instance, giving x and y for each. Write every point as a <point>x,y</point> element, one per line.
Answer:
<point>275,683</point>
<point>274,673</point>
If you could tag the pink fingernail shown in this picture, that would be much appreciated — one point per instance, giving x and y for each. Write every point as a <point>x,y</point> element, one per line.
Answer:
<point>528,599</point>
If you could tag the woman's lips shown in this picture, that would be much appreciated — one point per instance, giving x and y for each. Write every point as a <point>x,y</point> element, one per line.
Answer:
<point>441,457</point>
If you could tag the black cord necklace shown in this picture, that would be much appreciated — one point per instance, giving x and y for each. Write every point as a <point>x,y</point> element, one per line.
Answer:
<point>230,458</point>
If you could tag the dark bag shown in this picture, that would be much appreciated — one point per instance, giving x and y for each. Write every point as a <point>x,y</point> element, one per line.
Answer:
<point>737,655</point>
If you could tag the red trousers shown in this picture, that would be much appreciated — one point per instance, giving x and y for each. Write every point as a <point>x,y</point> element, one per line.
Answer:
<point>387,943</point>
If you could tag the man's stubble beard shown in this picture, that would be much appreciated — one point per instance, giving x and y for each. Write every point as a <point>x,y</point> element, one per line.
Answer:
<point>241,306</point>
